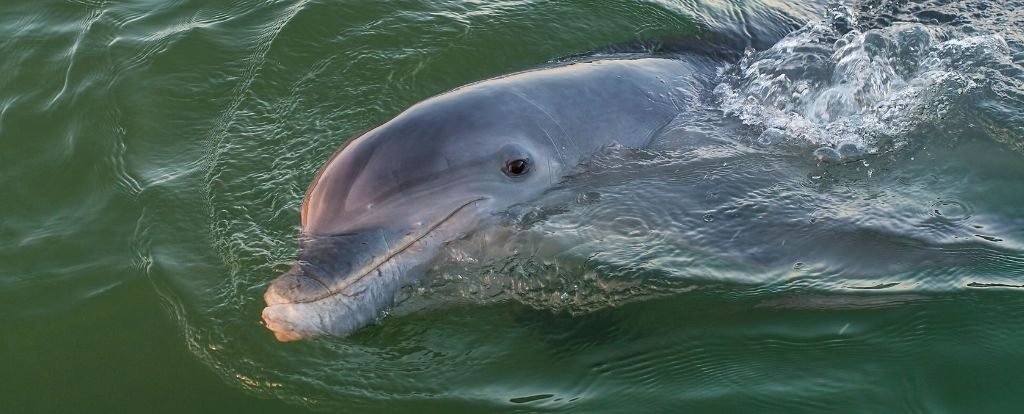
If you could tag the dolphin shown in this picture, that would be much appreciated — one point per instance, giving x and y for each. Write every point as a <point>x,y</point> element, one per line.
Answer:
<point>383,206</point>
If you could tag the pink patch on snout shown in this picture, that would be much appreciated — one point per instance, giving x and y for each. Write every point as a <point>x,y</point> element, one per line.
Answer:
<point>271,318</point>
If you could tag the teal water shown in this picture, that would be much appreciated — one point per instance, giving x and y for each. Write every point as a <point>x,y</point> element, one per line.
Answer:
<point>837,227</point>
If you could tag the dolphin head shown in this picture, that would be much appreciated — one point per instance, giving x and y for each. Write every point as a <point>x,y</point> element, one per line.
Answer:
<point>381,209</point>
<point>383,206</point>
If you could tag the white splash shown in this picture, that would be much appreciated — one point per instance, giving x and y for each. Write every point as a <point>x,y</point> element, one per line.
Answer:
<point>860,91</point>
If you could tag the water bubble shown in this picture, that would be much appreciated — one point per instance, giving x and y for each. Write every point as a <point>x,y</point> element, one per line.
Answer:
<point>849,151</point>
<point>827,154</point>
<point>951,210</point>
<point>771,136</point>
<point>588,197</point>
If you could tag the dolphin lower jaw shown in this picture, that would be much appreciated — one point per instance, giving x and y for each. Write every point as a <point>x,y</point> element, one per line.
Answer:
<point>291,322</point>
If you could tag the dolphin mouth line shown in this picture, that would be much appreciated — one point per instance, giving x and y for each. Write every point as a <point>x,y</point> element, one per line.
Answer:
<point>391,255</point>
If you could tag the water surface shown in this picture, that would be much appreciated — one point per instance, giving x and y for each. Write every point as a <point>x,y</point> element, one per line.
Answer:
<point>835,226</point>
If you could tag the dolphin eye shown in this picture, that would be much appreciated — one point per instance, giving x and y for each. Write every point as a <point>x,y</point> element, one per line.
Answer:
<point>517,167</point>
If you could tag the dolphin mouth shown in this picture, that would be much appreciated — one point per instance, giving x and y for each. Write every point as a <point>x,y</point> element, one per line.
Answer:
<point>284,317</point>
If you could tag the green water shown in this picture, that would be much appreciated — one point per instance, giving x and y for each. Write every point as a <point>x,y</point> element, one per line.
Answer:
<point>153,156</point>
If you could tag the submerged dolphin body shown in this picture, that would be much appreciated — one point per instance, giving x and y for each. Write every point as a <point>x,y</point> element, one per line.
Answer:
<point>383,206</point>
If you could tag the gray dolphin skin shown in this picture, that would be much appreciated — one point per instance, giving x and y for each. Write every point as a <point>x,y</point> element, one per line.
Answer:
<point>383,206</point>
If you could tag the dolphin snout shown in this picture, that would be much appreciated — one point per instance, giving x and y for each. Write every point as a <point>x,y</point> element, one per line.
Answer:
<point>339,284</point>
<point>285,314</point>
<point>296,286</point>
<point>300,305</point>
<point>276,319</point>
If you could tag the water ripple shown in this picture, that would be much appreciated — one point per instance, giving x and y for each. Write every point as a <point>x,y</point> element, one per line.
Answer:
<point>727,268</point>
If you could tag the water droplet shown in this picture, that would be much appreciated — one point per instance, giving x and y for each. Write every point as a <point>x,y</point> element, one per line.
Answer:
<point>827,154</point>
